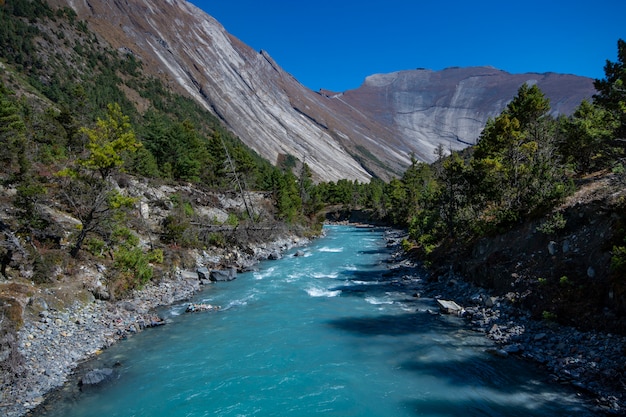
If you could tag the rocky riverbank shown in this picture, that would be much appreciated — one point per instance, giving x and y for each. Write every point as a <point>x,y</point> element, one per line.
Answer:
<point>54,343</point>
<point>592,362</point>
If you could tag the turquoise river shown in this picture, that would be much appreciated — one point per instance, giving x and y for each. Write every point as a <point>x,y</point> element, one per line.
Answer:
<point>330,333</point>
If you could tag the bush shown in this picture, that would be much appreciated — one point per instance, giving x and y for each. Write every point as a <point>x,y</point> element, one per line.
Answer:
<point>553,224</point>
<point>618,260</point>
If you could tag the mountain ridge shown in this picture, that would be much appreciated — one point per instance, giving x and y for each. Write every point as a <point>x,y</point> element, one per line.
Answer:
<point>349,135</point>
<point>449,107</point>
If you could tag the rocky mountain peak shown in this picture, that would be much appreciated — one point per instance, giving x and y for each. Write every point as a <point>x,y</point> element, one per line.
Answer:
<point>357,134</point>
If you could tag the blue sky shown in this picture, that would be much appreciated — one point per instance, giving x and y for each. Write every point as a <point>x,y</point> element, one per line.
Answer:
<point>336,44</point>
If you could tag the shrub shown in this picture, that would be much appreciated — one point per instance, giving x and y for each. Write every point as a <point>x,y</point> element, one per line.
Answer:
<point>553,224</point>
<point>95,247</point>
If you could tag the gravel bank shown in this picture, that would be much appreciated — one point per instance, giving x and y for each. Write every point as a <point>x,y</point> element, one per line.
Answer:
<point>592,362</point>
<point>56,342</point>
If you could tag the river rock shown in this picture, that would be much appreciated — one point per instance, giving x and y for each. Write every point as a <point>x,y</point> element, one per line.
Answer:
<point>223,274</point>
<point>274,256</point>
<point>449,307</point>
<point>203,273</point>
<point>96,377</point>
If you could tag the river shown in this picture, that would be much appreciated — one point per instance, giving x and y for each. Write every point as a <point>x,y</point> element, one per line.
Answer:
<point>329,333</point>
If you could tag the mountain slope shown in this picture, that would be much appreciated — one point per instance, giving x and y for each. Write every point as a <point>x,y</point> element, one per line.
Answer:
<point>361,133</point>
<point>261,103</point>
<point>450,107</point>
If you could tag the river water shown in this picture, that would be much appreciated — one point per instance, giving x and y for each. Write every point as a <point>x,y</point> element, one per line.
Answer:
<point>329,333</point>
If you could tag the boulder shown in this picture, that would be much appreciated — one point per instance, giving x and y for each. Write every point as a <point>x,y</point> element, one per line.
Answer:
<point>299,253</point>
<point>218,275</point>
<point>203,273</point>
<point>274,256</point>
<point>96,377</point>
<point>449,307</point>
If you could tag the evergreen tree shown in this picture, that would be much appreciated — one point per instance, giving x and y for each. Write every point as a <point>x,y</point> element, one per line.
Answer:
<point>587,138</point>
<point>15,161</point>
<point>612,89</point>
<point>87,188</point>
<point>515,168</point>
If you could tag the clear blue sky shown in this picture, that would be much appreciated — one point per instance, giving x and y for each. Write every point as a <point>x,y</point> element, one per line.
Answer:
<point>335,44</point>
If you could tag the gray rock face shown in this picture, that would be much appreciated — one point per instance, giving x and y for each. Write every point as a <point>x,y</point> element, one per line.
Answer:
<point>354,135</point>
<point>450,107</point>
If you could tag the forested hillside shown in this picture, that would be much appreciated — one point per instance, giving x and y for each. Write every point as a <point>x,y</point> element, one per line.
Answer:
<point>104,168</point>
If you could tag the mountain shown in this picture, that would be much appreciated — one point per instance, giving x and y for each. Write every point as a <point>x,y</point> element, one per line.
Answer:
<point>357,134</point>
<point>450,107</point>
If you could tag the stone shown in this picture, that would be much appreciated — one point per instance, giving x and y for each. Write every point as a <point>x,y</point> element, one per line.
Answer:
<point>128,306</point>
<point>497,352</point>
<point>552,248</point>
<point>96,377</point>
<point>514,349</point>
<point>219,275</point>
<point>39,304</point>
<point>299,253</point>
<point>449,307</point>
<point>274,256</point>
<point>203,273</point>
<point>591,272</point>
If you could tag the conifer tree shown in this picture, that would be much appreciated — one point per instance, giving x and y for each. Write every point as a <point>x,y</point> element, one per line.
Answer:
<point>88,188</point>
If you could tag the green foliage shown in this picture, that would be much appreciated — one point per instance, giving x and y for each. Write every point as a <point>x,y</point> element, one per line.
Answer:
<point>28,195</point>
<point>182,204</point>
<point>552,224</point>
<point>156,256</point>
<point>618,261</point>
<point>232,220</point>
<point>86,186</point>
<point>612,89</point>
<point>515,172</point>
<point>13,140</point>
<point>109,142</point>
<point>177,228</point>
<point>407,245</point>
<point>283,187</point>
<point>588,134</point>
<point>548,316</point>
<point>515,169</point>
<point>95,246</point>
<point>217,240</point>
<point>133,266</point>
